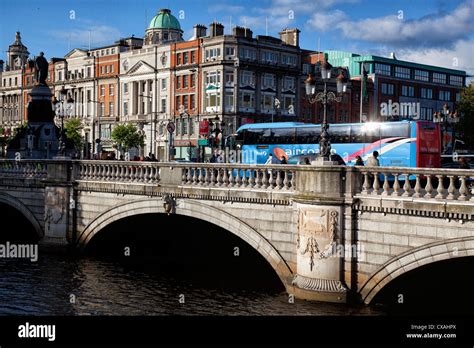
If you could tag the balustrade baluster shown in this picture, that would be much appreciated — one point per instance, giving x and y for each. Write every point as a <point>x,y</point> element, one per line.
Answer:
<point>463,192</point>
<point>451,188</point>
<point>418,189</point>
<point>366,186</point>
<point>407,190</point>
<point>428,187</point>
<point>386,185</point>
<point>440,189</point>
<point>396,185</point>
<point>376,185</point>
<point>271,180</point>
<point>265,178</point>
<point>285,180</point>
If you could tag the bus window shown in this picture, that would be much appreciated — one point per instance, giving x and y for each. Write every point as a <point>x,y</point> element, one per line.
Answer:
<point>370,132</point>
<point>252,136</point>
<point>390,130</point>
<point>356,134</point>
<point>339,134</point>
<point>308,135</point>
<point>279,136</point>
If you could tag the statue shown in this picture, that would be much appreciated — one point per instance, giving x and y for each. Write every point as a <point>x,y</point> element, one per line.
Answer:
<point>41,69</point>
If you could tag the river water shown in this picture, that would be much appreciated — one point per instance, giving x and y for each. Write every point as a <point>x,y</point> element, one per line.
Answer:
<point>62,285</point>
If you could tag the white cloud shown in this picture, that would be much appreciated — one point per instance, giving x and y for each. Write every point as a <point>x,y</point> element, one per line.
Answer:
<point>79,37</point>
<point>460,57</point>
<point>440,30</point>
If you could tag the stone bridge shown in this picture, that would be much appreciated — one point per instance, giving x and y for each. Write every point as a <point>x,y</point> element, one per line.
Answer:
<point>331,233</point>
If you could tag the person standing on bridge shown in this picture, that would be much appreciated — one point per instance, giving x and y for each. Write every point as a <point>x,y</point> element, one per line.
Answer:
<point>373,161</point>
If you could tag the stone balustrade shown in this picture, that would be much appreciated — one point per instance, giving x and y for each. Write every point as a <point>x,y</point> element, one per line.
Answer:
<point>425,183</point>
<point>260,177</point>
<point>23,168</point>
<point>118,171</point>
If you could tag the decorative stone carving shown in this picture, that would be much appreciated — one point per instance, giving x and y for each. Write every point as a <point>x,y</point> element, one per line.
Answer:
<point>169,204</point>
<point>326,285</point>
<point>317,231</point>
<point>55,204</point>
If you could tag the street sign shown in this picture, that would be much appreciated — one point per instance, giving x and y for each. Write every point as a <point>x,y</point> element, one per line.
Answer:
<point>171,127</point>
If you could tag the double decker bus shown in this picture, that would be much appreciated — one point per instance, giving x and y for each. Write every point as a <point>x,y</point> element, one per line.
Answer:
<point>400,144</point>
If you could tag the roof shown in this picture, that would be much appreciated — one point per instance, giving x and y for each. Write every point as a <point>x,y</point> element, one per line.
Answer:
<point>164,20</point>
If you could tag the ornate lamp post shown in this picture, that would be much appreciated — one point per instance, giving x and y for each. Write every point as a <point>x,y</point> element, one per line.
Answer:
<point>325,97</point>
<point>65,106</point>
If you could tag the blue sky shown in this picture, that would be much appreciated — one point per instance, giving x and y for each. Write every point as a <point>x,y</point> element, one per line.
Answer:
<point>438,32</point>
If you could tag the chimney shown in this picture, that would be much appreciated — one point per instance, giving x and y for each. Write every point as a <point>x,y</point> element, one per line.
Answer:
<point>290,36</point>
<point>242,32</point>
<point>217,29</point>
<point>199,31</point>
<point>1,65</point>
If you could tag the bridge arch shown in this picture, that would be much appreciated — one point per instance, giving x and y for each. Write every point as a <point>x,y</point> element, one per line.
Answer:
<point>196,210</point>
<point>22,208</point>
<point>412,259</point>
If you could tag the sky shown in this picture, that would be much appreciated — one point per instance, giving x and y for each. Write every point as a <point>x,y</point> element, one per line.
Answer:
<point>435,32</point>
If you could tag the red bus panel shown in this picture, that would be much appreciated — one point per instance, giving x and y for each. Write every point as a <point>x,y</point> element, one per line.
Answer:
<point>428,145</point>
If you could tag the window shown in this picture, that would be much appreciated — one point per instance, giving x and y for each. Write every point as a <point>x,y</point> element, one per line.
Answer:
<point>178,59</point>
<point>408,91</point>
<point>107,51</point>
<point>382,69</point>
<point>426,114</point>
<point>193,57</point>
<point>458,97</point>
<point>213,53</point>
<point>178,82</point>
<point>387,88</point>
<point>191,126</point>
<point>229,51</point>
<point>248,100</point>
<point>306,68</point>
<point>192,102</point>
<point>102,109</point>
<point>112,68</point>
<point>439,78</point>
<point>89,72</point>
<point>60,76</point>
<point>213,78</point>
<point>112,51</point>
<point>267,102</point>
<point>193,80</point>
<point>422,75</point>
<point>247,78</point>
<point>289,83</point>
<point>184,125</point>
<point>186,102</point>
<point>111,89</point>
<point>102,90</point>
<point>213,101</point>
<point>125,88</point>
<point>185,81</point>
<point>445,95</point>
<point>288,104</point>
<point>269,57</point>
<point>102,69</point>
<point>164,82</point>
<point>150,86</point>
<point>268,81</point>
<point>229,101</point>
<point>163,104</point>
<point>290,60</point>
<point>229,78</point>
<point>185,58</point>
<point>247,53</point>
<point>102,52</point>
<point>426,93</point>
<point>111,109</point>
<point>125,108</point>
<point>455,80</point>
<point>106,69</point>
<point>403,73</point>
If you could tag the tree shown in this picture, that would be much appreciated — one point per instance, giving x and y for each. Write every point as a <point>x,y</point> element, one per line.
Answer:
<point>73,129</point>
<point>127,136</point>
<point>466,125</point>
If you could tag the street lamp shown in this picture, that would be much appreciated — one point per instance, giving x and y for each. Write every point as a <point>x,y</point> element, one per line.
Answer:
<point>68,101</point>
<point>325,97</point>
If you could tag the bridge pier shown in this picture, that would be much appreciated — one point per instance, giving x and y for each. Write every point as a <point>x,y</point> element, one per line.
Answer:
<point>57,202</point>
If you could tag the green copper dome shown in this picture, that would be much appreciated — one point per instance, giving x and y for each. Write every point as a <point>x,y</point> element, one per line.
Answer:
<point>164,20</point>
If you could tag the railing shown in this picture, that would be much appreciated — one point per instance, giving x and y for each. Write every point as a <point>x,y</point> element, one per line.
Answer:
<point>118,171</point>
<point>263,177</point>
<point>425,183</point>
<point>23,168</point>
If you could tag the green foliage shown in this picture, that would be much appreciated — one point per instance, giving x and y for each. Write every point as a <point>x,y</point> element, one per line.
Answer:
<point>127,136</point>
<point>466,108</point>
<point>73,129</point>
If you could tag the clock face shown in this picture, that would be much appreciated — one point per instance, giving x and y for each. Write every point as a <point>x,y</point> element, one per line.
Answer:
<point>125,65</point>
<point>163,59</point>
